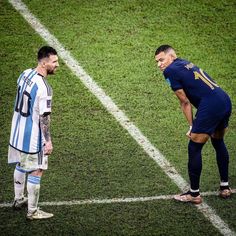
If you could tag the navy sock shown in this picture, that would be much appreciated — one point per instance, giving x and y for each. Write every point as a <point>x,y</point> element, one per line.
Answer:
<point>194,194</point>
<point>194,163</point>
<point>222,157</point>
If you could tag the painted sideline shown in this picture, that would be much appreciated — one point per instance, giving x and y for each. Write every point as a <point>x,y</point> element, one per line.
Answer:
<point>120,116</point>
<point>112,200</point>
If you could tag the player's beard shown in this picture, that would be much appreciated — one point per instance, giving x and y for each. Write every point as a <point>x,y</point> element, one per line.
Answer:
<point>52,71</point>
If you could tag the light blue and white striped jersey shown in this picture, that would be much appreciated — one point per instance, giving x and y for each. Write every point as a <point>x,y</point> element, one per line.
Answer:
<point>33,98</point>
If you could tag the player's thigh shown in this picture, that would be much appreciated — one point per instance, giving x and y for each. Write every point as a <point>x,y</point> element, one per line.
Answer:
<point>219,133</point>
<point>199,138</point>
<point>38,172</point>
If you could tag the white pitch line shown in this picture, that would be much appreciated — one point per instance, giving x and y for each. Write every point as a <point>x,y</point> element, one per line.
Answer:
<point>120,116</point>
<point>112,200</point>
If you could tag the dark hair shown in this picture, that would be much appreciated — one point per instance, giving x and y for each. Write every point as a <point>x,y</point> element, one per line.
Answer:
<point>163,48</point>
<point>46,51</point>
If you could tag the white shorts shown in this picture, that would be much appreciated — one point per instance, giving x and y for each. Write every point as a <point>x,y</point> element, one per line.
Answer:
<point>28,162</point>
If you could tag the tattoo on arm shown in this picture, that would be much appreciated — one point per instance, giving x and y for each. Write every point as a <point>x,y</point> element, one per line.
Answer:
<point>45,126</point>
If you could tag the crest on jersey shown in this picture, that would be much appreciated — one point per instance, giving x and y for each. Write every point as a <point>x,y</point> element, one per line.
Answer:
<point>168,81</point>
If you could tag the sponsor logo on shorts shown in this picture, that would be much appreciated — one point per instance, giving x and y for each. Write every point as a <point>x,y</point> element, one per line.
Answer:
<point>49,103</point>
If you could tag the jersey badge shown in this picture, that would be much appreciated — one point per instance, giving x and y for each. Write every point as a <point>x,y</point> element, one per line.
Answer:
<point>168,81</point>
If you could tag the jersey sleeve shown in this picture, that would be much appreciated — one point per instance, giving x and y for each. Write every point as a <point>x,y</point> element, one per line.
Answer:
<point>45,100</point>
<point>173,80</point>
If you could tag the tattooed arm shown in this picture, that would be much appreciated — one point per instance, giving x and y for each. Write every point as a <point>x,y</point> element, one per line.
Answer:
<point>45,128</point>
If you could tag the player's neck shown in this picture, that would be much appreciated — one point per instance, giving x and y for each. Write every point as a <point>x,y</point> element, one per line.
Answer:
<point>42,71</point>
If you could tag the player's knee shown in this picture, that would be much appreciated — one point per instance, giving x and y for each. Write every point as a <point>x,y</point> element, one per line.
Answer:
<point>217,143</point>
<point>38,172</point>
<point>194,148</point>
<point>19,168</point>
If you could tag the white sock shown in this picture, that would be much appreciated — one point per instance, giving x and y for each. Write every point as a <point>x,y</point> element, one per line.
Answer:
<point>33,187</point>
<point>194,191</point>
<point>19,182</point>
<point>224,184</point>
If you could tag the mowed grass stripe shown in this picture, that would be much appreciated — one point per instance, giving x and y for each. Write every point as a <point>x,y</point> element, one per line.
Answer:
<point>118,114</point>
<point>112,200</point>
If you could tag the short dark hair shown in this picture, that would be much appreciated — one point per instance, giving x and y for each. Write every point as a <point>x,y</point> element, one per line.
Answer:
<point>46,51</point>
<point>163,48</point>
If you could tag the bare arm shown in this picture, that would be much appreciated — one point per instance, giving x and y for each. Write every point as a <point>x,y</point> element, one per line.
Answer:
<point>45,128</point>
<point>186,107</point>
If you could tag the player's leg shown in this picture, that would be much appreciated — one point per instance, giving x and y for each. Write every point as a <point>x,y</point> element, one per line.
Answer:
<point>33,188</point>
<point>19,187</point>
<point>195,146</point>
<point>222,157</point>
<point>14,156</point>
<point>217,139</point>
<point>194,168</point>
<point>199,135</point>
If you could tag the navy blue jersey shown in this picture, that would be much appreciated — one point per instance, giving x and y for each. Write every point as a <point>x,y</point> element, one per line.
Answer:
<point>197,84</point>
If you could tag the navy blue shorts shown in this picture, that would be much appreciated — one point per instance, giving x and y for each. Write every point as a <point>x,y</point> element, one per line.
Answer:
<point>212,114</point>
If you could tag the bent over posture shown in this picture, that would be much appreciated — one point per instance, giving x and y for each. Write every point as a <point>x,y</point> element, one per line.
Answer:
<point>30,139</point>
<point>194,86</point>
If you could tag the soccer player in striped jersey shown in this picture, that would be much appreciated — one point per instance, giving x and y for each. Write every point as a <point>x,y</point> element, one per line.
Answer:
<point>194,86</point>
<point>30,138</point>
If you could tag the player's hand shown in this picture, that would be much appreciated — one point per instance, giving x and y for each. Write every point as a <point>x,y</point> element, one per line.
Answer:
<point>48,148</point>
<point>188,134</point>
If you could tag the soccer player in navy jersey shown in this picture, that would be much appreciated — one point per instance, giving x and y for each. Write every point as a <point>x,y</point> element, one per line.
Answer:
<point>30,139</point>
<point>193,86</point>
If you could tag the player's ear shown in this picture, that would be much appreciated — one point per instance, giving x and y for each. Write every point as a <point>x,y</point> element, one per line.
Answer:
<point>43,63</point>
<point>173,54</point>
<point>40,62</point>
